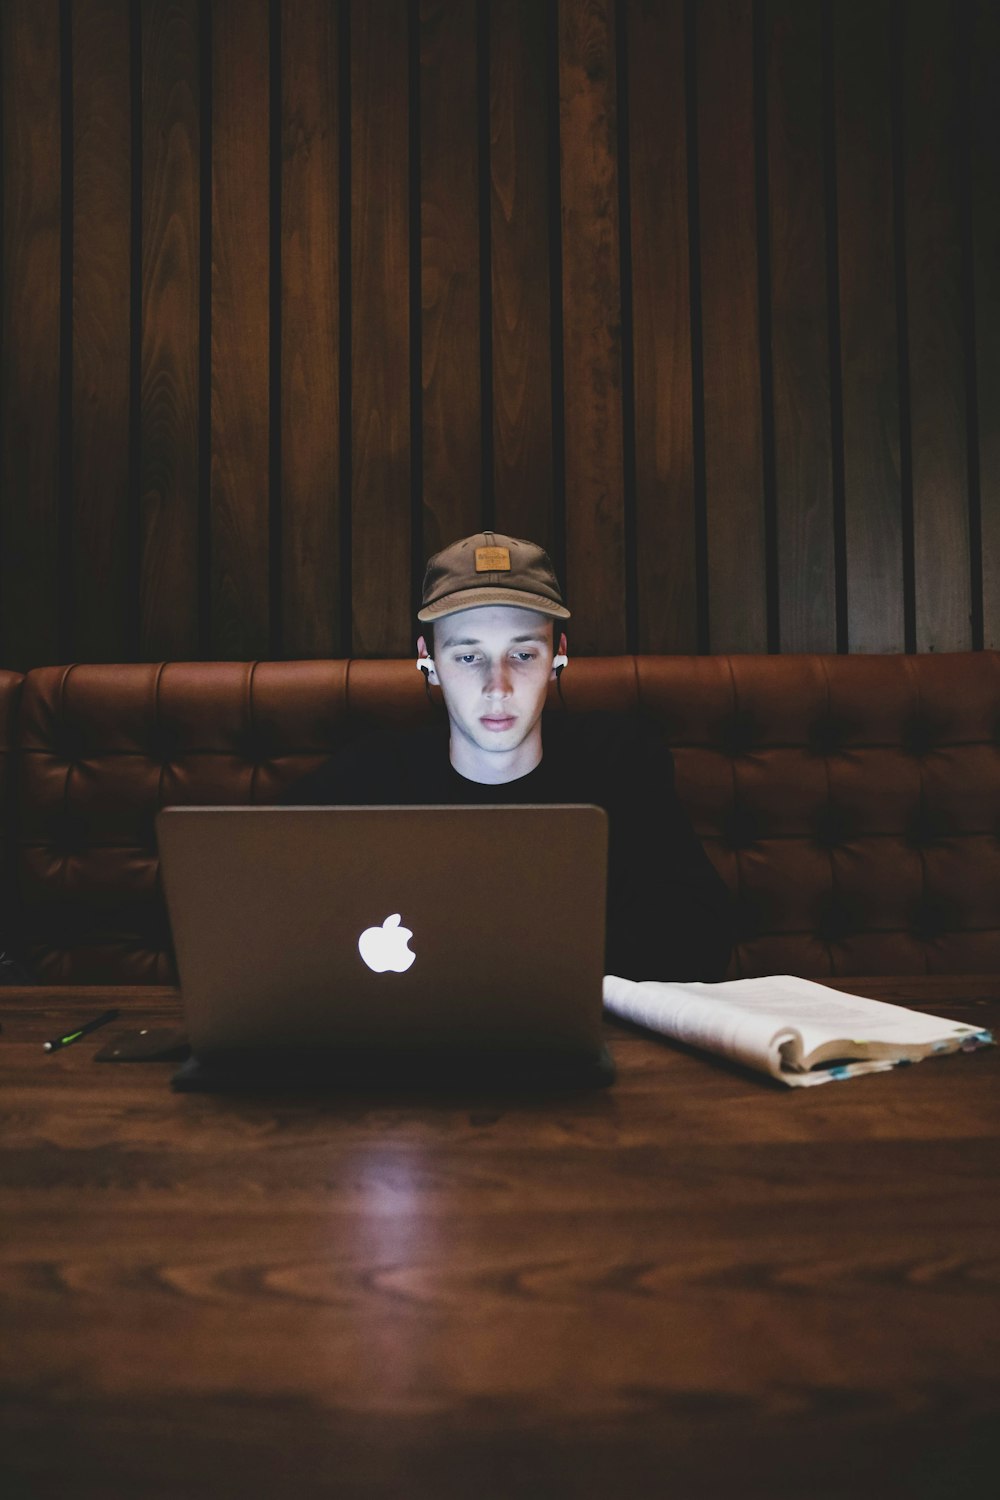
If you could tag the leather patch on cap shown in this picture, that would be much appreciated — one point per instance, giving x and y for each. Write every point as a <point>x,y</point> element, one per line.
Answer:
<point>492,559</point>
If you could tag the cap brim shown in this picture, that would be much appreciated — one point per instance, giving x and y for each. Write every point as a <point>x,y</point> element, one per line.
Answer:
<point>479,598</point>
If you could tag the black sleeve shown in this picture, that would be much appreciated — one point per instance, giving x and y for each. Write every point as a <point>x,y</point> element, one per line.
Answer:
<point>670,915</point>
<point>355,776</point>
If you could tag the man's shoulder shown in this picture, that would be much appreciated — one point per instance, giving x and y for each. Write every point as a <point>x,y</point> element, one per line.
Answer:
<point>390,742</point>
<point>604,734</point>
<point>615,759</point>
<point>379,764</point>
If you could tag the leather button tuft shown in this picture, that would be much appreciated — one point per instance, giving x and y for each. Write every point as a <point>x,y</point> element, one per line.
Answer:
<point>69,743</point>
<point>251,748</point>
<point>919,737</point>
<point>832,827</point>
<point>923,829</point>
<point>932,917</point>
<point>740,828</point>
<point>163,746</point>
<point>739,734</point>
<point>832,924</point>
<point>826,736</point>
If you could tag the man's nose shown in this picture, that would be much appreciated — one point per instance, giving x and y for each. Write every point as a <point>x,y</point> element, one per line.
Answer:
<point>498,681</point>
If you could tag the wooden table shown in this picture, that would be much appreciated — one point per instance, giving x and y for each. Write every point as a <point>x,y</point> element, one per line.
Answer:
<point>696,1283</point>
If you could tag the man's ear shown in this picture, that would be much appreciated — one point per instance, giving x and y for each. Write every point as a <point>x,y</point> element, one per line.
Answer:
<point>560,659</point>
<point>429,671</point>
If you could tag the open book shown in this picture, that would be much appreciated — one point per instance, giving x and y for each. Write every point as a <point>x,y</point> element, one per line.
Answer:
<point>794,1029</point>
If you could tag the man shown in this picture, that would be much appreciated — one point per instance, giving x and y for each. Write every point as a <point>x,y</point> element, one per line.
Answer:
<point>492,608</point>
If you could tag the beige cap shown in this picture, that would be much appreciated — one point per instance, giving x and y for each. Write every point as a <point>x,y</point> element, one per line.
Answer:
<point>490,568</point>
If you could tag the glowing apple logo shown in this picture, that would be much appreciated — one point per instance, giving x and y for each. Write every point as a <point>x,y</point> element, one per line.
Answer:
<point>386,947</point>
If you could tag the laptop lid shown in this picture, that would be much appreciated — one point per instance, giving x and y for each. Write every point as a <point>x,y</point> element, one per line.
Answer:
<point>388,927</point>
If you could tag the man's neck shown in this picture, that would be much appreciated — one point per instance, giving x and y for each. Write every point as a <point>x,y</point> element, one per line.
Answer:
<point>498,767</point>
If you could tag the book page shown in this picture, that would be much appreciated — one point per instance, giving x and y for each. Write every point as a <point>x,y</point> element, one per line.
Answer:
<point>752,1020</point>
<point>820,1014</point>
<point>689,1014</point>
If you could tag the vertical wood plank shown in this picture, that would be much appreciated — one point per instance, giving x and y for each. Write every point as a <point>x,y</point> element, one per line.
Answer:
<point>799,323</point>
<point>985,174</point>
<point>380,357</point>
<point>521,199</point>
<point>664,440</point>
<point>449,269</point>
<point>934,303</point>
<point>29,361</point>
<point>868,327</point>
<point>731,346</point>
<point>101,318</point>
<point>310,334</point>
<point>171,237</point>
<point>521,293</point>
<point>240,322</point>
<point>595,509</point>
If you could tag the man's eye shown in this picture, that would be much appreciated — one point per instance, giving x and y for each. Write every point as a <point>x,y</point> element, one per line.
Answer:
<point>525,655</point>
<point>468,658</point>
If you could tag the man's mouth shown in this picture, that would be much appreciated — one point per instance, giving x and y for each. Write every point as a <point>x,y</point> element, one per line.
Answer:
<point>499,723</point>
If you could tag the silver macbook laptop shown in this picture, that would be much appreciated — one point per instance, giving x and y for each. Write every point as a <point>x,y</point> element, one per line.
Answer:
<point>354,939</point>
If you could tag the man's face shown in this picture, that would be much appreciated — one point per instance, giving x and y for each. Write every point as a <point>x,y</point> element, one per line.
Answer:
<point>494,665</point>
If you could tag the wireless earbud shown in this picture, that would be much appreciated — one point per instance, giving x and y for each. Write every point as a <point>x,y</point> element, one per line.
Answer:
<point>558,662</point>
<point>425,664</point>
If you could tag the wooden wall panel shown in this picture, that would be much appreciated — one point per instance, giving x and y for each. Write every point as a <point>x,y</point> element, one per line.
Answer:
<point>595,510</point>
<point>29,382</point>
<point>868,326</point>
<point>449,269</point>
<point>380,352</point>
<point>702,294</point>
<point>102,218</point>
<point>240,606</point>
<point>737,600</point>
<point>666,579</point>
<point>310,332</point>
<point>799,323</point>
<point>524,499</point>
<point>171,241</point>
<point>935,314</point>
<point>985,215</point>
<point>453,501</point>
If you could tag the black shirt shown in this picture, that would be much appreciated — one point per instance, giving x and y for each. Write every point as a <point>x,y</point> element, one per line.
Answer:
<point>669,913</point>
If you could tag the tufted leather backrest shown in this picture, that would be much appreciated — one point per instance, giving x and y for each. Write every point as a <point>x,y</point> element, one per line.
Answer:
<point>851,803</point>
<point>10,695</point>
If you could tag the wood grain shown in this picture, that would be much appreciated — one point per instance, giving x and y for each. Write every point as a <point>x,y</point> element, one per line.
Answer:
<point>595,508</point>
<point>666,574</point>
<point>450,272</point>
<point>730,336</point>
<point>934,310</point>
<point>380,353</point>
<point>985,173</point>
<point>101,338</point>
<point>520,283</point>
<point>799,327</point>
<point>29,361</point>
<point>695,1272</point>
<point>868,326</point>
<point>310,331</point>
<point>240,608</point>
<point>171,240</point>
<point>948,244</point>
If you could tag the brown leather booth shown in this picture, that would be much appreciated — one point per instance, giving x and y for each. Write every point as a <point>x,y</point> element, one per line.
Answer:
<point>851,803</point>
<point>10,696</point>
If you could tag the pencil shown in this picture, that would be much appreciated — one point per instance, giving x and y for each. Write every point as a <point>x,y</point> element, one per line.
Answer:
<point>74,1036</point>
